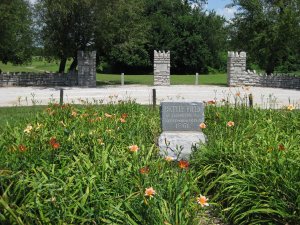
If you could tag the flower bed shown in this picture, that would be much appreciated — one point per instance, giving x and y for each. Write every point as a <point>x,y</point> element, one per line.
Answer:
<point>93,165</point>
<point>251,164</point>
<point>100,165</point>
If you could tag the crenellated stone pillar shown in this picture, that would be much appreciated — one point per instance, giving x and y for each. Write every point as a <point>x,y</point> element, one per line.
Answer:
<point>86,68</point>
<point>161,68</point>
<point>236,67</point>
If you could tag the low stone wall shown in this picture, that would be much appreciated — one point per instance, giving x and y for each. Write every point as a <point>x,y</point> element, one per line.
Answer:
<point>40,79</point>
<point>85,77</point>
<point>238,76</point>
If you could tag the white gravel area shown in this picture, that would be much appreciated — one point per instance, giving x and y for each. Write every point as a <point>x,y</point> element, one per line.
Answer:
<point>262,97</point>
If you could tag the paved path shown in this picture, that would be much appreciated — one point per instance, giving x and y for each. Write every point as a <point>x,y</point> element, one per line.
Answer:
<point>263,97</point>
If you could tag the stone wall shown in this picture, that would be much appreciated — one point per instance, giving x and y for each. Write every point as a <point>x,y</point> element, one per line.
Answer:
<point>85,77</point>
<point>161,68</point>
<point>40,79</point>
<point>237,75</point>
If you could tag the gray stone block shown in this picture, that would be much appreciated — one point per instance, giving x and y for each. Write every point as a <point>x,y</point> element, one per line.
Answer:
<point>181,116</point>
<point>180,144</point>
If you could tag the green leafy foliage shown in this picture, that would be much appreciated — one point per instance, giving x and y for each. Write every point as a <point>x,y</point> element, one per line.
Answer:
<point>16,33</point>
<point>194,37</point>
<point>72,164</point>
<point>64,27</point>
<point>125,33</point>
<point>252,168</point>
<point>268,31</point>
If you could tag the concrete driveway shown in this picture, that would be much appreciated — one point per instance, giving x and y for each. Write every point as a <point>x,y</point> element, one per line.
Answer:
<point>263,97</point>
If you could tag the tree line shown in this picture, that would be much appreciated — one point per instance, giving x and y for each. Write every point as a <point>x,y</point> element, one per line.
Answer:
<point>125,32</point>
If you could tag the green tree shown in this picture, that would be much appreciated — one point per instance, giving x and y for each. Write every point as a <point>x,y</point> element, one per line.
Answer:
<point>66,26</point>
<point>196,38</point>
<point>116,29</point>
<point>122,35</point>
<point>16,32</point>
<point>268,31</point>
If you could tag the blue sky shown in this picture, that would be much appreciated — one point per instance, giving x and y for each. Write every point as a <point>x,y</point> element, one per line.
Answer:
<point>217,4</point>
<point>219,7</point>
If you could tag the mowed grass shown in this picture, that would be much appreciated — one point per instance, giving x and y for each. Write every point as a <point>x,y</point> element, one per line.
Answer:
<point>112,79</point>
<point>39,65</point>
<point>14,115</point>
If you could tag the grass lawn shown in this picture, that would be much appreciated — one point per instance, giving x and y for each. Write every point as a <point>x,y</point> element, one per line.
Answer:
<point>214,79</point>
<point>14,115</point>
<point>38,65</point>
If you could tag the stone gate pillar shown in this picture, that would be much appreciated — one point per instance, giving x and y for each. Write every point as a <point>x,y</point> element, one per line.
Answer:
<point>86,68</point>
<point>236,67</point>
<point>161,68</point>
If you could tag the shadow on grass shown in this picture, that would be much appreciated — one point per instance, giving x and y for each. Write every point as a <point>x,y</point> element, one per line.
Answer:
<point>115,82</point>
<point>101,83</point>
<point>215,84</point>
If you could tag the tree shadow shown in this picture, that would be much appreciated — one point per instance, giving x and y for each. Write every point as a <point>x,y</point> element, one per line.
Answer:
<point>115,82</point>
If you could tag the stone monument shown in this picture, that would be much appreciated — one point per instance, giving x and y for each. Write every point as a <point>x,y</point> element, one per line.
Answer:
<point>161,68</point>
<point>181,132</point>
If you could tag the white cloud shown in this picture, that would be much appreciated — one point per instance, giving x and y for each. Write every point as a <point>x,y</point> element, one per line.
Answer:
<point>228,13</point>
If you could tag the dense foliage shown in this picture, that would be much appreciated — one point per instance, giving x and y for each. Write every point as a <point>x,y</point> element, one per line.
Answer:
<point>269,31</point>
<point>252,167</point>
<point>99,164</point>
<point>92,165</point>
<point>125,33</point>
<point>16,34</point>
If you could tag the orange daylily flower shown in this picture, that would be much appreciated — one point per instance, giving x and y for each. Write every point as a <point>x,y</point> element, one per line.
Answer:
<point>202,125</point>
<point>133,148</point>
<point>22,148</point>
<point>281,147</point>
<point>149,192</point>
<point>56,145</point>
<point>183,164</point>
<point>144,170</point>
<point>74,113</point>
<point>98,118</point>
<point>230,124</point>
<point>124,115</point>
<point>84,115</point>
<point>202,200</point>
<point>53,142</point>
<point>211,102</point>
<point>108,115</point>
<point>169,158</point>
